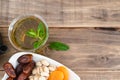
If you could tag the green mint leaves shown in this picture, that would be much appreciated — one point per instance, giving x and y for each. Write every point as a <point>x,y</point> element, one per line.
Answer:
<point>58,46</point>
<point>37,44</point>
<point>31,33</point>
<point>40,31</point>
<point>39,34</point>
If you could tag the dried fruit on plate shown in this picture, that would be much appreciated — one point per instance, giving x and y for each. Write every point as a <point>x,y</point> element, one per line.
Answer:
<point>29,67</point>
<point>61,73</point>
<point>65,72</point>
<point>9,70</point>
<point>23,69</point>
<point>19,69</point>
<point>22,76</point>
<point>9,78</point>
<point>56,75</point>
<point>25,58</point>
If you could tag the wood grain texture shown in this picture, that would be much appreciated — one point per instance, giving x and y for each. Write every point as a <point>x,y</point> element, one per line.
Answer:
<point>94,54</point>
<point>64,13</point>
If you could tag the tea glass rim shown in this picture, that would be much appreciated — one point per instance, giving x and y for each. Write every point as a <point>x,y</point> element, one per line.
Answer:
<point>11,26</point>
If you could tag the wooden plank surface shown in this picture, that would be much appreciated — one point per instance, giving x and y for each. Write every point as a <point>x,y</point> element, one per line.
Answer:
<point>94,54</point>
<point>65,13</point>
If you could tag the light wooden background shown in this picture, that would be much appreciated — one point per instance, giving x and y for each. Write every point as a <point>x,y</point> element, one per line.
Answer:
<point>65,13</point>
<point>94,52</point>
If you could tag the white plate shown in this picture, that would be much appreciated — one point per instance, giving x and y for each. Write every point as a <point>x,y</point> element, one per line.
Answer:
<point>37,57</point>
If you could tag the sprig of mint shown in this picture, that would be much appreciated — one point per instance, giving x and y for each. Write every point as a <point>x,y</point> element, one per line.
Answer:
<point>59,46</point>
<point>39,35</point>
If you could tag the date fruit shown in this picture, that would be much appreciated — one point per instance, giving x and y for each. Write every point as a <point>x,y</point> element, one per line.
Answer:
<point>9,70</point>
<point>22,76</point>
<point>27,79</point>
<point>19,69</point>
<point>25,58</point>
<point>9,78</point>
<point>29,67</point>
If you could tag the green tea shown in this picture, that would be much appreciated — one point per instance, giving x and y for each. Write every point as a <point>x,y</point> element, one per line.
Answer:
<point>18,35</point>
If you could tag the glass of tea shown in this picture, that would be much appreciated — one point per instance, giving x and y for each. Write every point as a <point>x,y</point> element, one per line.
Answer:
<point>28,32</point>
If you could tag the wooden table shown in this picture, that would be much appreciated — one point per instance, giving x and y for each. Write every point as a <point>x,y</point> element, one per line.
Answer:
<point>94,52</point>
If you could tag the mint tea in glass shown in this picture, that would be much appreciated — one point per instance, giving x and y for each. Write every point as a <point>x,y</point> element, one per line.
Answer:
<point>28,32</point>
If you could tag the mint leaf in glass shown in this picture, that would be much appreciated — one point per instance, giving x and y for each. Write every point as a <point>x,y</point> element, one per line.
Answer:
<point>41,30</point>
<point>39,34</point>
<point>31,33</point>
<point>36,44</point>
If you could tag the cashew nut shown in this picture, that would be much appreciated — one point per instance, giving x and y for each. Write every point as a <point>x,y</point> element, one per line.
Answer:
<point>44,62</point>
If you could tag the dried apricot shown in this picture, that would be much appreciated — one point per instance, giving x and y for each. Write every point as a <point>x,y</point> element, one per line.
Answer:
<point>65,72</point>
<point>56,75</point>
